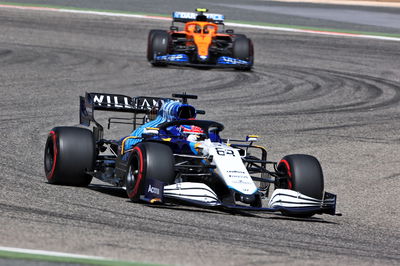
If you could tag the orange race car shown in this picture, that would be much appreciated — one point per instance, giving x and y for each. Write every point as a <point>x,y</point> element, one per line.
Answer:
<point>203,42</point>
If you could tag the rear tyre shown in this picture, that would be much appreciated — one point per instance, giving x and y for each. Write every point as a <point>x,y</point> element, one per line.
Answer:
<point>69,154</point>
<point>148,160</point>
<point>304,175</point>
<point>238,35</point>
<point>158,43</point>
<point>243,50</point>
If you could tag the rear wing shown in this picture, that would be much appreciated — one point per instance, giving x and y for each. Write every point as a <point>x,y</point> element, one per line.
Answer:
<point>191,16</point>
<point>116,103</point>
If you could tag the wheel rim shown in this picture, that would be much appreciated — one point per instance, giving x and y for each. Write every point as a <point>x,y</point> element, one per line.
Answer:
<point>131,177</point>
<point>50,158</point>
<point>135,173</point>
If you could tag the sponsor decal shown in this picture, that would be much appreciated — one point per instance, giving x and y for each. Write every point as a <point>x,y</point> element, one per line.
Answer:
<point>192,16</point>
<point>173,58</point>
<point>242,183</point>
<point>116,101</point>
<point>184,15</point>
<point>153,190</point>
<point>110,100</point>
<point>232,170</point>
<point>148,103</point>
<point>235,171</point>
<point>225,60</point>
<point>238,176</point>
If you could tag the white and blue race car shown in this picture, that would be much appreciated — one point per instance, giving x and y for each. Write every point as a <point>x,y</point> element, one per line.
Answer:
<point>171,156</point>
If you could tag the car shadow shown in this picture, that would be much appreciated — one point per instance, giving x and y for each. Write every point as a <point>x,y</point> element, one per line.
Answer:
<point>207,68</point>
<point>308,220</point>
<point>110,190</point>
<point>176,206</point>
<point>183,208</point>
<point>263,215</point>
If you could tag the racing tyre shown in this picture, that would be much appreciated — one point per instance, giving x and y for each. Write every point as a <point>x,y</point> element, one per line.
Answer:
<point>238,35</point>
<point>148,160</point>
<point>243,50</point>
<point>158,44</point>
<point>304,174</point>
<point>150,54</point>
<point>69,154</point>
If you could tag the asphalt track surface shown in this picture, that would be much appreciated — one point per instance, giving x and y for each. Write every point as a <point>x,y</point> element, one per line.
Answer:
<point>336,98</point>
<point>334,16</point>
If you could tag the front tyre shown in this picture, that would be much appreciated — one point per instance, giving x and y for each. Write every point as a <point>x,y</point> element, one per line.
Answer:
<point>148,160</point>
<point>158,43</point>
<point>69,154</point>
<point>243,49</point>
<point>150,50</point>
<point>304,175</point>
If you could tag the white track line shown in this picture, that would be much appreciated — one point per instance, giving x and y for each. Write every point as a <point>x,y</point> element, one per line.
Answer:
<point>49,253</point>
<point>111,14</point>
<point>272,28</point>
<point>314,32</point>
<point>377,3</point>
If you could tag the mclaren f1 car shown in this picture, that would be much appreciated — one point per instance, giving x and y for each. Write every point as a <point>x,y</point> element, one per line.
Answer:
<point>203,42</point>
<point>171,156</point>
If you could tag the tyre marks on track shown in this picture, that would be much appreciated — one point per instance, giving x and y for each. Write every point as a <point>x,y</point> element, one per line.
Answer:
<point>291,101</point>
<point>312,91</point>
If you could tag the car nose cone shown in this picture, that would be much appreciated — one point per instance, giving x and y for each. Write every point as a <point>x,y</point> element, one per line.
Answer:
<point>203,57</point>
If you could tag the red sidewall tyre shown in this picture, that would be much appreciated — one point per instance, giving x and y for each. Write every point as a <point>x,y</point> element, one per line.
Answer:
<point>304,174</point>
<point>135,174</point>
<point>148,160</point>
<point>69,154</point>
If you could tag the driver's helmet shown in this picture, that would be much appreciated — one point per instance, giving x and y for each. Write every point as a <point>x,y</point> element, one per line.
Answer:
<point>190,129</point>
<point>193,133</point>
<point>197,29</point>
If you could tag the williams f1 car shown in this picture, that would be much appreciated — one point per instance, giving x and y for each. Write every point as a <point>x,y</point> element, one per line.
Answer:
<point>173,157</point>
<point>203,42</point>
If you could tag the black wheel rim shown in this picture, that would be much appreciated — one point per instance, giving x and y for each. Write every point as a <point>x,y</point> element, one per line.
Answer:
<point>49,158</point>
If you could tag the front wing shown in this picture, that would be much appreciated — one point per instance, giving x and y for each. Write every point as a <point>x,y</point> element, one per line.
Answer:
<point>183,60</point>
<point>199,194</point>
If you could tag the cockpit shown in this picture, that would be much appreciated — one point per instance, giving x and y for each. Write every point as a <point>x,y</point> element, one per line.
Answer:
<point>201,28</point>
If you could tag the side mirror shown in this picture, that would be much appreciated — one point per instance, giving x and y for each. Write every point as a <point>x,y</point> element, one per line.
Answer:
<point>252,138</point>
<point>150,131</point>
